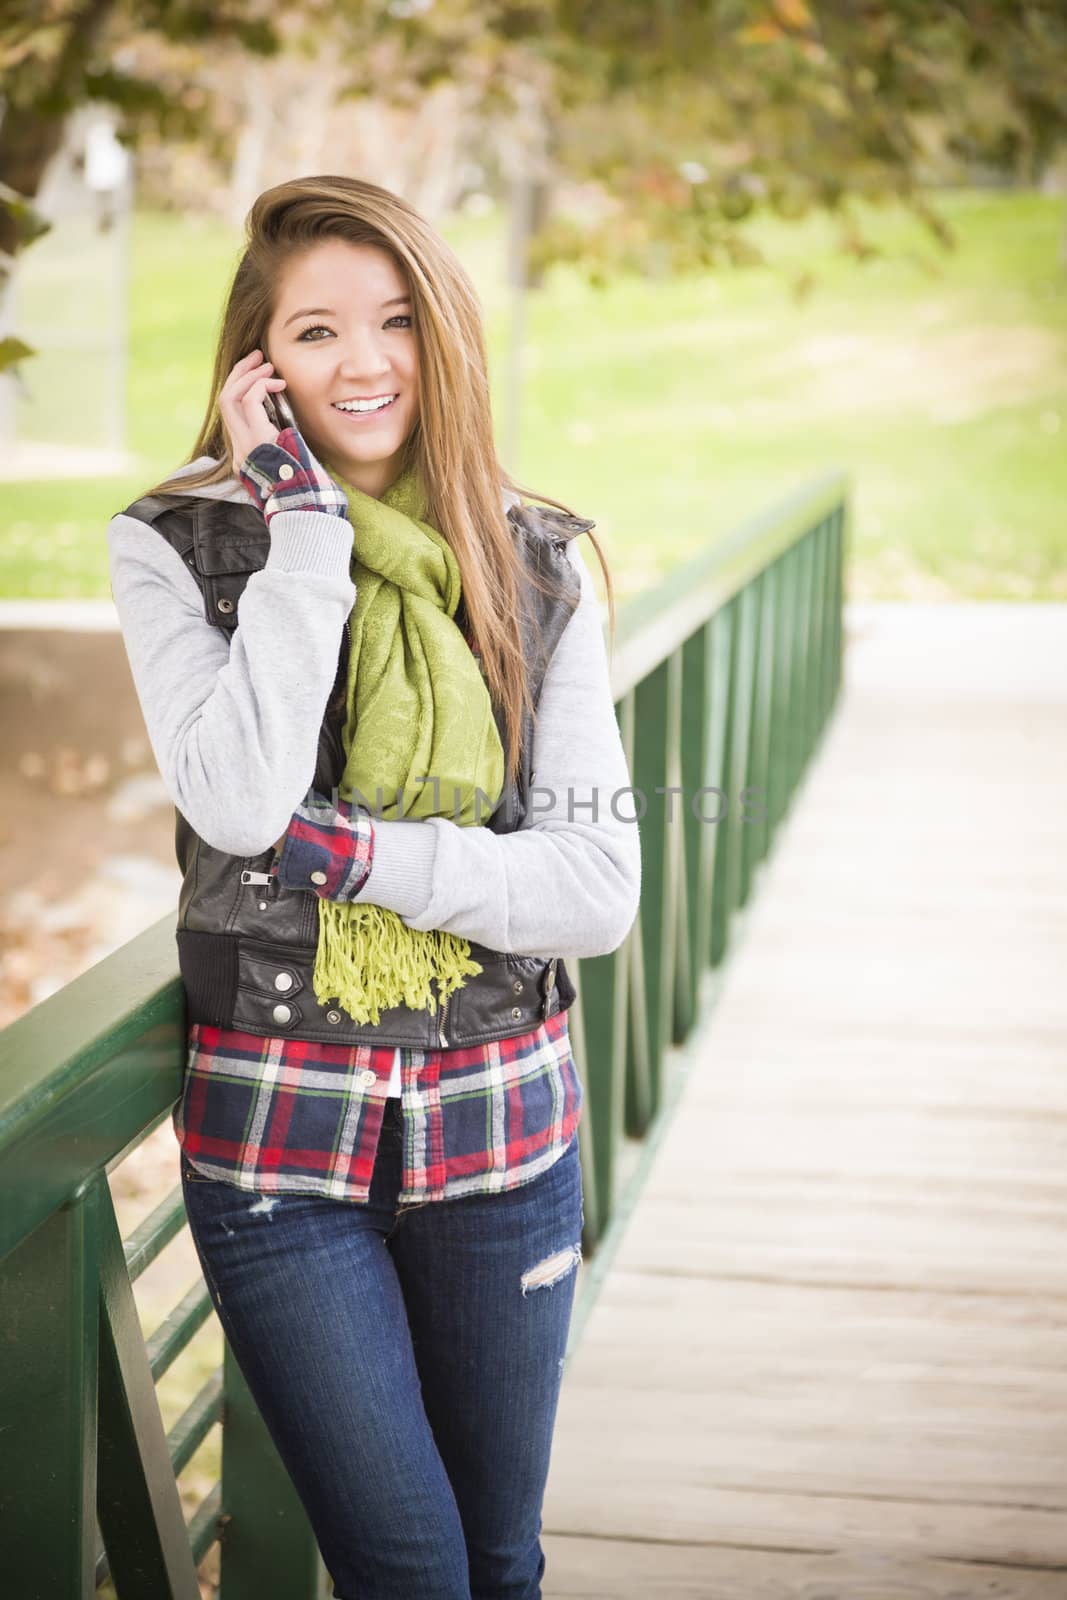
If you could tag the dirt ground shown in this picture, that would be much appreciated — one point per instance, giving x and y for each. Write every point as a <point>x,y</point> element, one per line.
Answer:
<point>86,827</point>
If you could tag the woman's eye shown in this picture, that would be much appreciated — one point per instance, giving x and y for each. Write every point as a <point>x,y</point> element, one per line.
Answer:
<point>321,328</point>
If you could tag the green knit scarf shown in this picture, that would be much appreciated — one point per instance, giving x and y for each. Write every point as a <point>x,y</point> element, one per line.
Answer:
<point>417,708</point>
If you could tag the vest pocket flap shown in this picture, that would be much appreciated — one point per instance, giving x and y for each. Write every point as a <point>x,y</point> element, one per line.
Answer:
<point>278,976</point>
<point>215,554</point>
<point>229,539</point>
<point>229,544</point>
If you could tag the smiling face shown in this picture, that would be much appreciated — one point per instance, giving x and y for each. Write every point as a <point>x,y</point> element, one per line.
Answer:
<point>342,333</point>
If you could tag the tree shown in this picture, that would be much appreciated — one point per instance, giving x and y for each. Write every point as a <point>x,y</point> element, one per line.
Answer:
<point>59,54</point>
<point>683,116</point>
<point>56,55</point>
<point>691,115</point>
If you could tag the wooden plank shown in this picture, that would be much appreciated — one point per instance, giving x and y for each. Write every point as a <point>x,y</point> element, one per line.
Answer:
<point>828,1357</point>
<point>598,1569</point>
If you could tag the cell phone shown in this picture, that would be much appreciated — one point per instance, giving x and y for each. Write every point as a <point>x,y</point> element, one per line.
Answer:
<point>279,411</point>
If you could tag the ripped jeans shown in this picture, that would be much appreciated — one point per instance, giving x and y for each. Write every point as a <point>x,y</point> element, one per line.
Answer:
<point>407,1363</point>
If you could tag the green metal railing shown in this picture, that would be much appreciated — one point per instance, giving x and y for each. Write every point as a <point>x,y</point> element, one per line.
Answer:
<point>724,677</point>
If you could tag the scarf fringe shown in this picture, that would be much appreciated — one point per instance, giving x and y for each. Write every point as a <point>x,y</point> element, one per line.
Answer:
<point>369,960</point>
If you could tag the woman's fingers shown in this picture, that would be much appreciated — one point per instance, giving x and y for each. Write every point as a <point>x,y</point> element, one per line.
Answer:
<point>257,389</point>
<point>240,372</point>
<point>244,417</point>
<point>242,385</point>
<point>252,402</point>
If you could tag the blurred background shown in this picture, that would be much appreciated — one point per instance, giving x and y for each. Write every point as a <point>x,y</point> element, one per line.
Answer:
<point>721,247</point>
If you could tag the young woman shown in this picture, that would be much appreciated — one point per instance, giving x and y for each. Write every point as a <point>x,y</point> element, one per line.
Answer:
<point>356,648</point>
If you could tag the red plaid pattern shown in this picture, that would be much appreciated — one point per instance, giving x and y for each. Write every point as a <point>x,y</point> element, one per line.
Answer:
<point>326,848</point>
<point>285,476</point>
<point>286,1116</point>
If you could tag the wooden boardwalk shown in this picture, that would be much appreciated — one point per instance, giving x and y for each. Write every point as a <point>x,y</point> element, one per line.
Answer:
<point>829,1357</point>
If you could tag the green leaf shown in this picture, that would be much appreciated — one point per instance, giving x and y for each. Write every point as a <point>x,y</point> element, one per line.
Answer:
<point>12,351</point>
<point>29,222</point>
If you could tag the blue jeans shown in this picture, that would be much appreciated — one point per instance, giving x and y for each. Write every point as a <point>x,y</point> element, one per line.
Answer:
<point>411,1390</point>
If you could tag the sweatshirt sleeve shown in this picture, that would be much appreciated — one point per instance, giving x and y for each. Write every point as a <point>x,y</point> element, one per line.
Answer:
<point>567,882</point>
<point>234,722</point>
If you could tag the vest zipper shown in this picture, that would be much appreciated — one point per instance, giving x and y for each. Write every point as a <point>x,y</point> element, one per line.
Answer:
<point>441,1038</point>
<point>550,987</point>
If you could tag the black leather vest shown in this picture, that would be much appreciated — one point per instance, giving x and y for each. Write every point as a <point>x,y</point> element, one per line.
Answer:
<point>246,946</point>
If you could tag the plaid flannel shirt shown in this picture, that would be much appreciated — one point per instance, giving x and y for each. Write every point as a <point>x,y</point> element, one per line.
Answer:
<point>289,1116</point>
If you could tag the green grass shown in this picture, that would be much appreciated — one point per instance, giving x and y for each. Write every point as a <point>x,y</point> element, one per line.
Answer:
<point>669,410</point>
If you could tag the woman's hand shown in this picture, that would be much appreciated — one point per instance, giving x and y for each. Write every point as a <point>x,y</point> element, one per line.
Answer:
<point>241,397</point>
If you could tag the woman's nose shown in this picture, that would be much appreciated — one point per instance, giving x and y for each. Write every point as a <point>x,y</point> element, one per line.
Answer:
<point>363,355</point>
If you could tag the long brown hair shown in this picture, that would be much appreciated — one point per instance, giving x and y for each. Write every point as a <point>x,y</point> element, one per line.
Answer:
<point>451,444</point>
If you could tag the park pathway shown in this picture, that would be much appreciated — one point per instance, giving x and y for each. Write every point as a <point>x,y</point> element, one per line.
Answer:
<point>829,1357</point>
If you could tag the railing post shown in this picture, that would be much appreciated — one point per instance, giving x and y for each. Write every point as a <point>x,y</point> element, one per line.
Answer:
<point>728,867</point>
<point>816,710</point>
<point>599,1017</point>
<point>842,534</point>
<point>705,695</point>
<point>48,1292</point>
<point>694,902</point>
<point>137,1497</point>
<point>826,618</point>
<point>591,1108</point>
<point>630,1016</point>
<point>725,670</point>
<point>638,1108</point>
<point>809,623</point>
<point>267,1545</point>
<point>656,755</point>
<point>793,742</point>
<point>781,730</point>
<point>748,828</point>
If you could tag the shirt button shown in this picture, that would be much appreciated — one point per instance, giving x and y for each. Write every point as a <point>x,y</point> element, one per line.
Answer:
<point>367,1077</point>
<point>285,472</point>
<point>283,981</point>
<point>282,1013</point>
<point>318,877</point>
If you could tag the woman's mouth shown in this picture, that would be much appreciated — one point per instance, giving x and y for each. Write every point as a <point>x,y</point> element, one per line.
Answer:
<point>357,412</point>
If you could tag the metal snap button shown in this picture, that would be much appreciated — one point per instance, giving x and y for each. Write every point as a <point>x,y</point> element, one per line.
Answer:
<point>516,1013</point>
<point>263,905</point>
<point>283,981</point>
<point>318,877</point>
<point>225,604</point>
<point>517,986</point>
<point>282,1013</point>
<point>333,1016</point>
<point>285,471</point>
